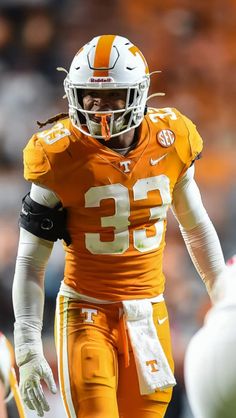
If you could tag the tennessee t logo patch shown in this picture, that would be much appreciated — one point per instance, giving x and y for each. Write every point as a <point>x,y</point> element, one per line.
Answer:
<point>88,315</point>
<point>126,165</point>
<point>153,365</point>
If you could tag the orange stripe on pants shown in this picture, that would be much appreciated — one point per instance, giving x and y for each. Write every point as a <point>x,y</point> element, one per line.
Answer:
<point>61,345</point>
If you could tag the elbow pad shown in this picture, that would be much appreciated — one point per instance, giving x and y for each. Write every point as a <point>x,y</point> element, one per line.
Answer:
<point>44,222</point>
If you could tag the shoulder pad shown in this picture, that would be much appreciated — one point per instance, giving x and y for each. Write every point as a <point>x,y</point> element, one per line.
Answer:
<point>36,163</point>
<point>188,142</point>
<point>55,139</point>
<point>190,149</point>
<point>39,149</point>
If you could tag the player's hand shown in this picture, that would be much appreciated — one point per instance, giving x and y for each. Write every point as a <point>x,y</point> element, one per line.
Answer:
<point>30,387</point>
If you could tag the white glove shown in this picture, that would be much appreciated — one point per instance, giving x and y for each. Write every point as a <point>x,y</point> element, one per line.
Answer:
<point>31,372</point>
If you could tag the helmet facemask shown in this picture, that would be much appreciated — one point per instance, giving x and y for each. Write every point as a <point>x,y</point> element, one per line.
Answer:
<point>113,122</point>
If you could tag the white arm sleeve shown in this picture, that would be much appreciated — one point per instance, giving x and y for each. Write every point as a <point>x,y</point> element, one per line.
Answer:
<point>28,284</point>
<point>198,232</point>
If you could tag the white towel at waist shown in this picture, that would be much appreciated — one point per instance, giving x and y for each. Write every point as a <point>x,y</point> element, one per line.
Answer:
<point>152,366</point>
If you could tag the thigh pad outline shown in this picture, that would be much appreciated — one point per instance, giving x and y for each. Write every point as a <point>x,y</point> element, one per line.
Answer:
<point>98,364</point>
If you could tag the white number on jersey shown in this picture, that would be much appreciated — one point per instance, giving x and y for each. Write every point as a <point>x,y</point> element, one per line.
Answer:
<point>166,111</point>
<point>120,220</point>
<point>57,132</point>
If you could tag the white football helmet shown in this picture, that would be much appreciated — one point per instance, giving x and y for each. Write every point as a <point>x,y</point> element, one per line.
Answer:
<point>108,62</point>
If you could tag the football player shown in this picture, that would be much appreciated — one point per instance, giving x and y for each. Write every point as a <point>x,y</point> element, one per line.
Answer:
<point>8,382</point>
<point>103,178</point>
<point>210,367</point>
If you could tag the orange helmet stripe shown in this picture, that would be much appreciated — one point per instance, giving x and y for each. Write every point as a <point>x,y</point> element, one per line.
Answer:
<point>102,55</point>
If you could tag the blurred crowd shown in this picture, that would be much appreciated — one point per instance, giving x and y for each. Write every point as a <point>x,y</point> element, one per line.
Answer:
<point>193,44</point>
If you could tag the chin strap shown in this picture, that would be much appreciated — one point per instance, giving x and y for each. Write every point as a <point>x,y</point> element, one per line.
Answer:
<point>106,133</point>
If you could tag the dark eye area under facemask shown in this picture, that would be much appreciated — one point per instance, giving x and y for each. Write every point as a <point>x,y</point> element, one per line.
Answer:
<point>131,96</point>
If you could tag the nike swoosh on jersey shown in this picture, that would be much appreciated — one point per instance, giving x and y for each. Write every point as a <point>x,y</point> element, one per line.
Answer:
<point>155,162</point>
<point>162,320</point>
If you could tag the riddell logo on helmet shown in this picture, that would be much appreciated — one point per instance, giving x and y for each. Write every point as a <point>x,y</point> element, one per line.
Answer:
<point>100,80</point>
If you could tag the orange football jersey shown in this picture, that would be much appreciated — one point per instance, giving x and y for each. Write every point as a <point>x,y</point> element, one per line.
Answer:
<point>116,204</point>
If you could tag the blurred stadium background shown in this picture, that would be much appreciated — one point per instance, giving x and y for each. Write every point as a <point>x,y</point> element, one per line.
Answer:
<point>193,44</point>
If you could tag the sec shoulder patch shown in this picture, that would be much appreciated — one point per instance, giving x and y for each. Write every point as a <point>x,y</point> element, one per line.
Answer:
<point>166,138</point>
